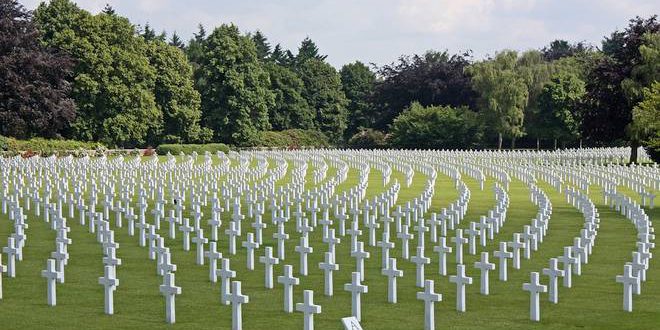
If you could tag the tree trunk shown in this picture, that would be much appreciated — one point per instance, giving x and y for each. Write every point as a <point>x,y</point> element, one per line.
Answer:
<point>634,145</point>
<point>580,143</point>
<point>499,141</point>
<point>513,143</point>
<point>555,144</point>
<point>538,144</point>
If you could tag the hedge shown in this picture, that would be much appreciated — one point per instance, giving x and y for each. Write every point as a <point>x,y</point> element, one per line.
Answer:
<point>47,147</point>
<point>293,138</point>
<point>187,149</point>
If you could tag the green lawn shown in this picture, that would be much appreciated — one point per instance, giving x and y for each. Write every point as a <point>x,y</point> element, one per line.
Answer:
<point>594,301</point>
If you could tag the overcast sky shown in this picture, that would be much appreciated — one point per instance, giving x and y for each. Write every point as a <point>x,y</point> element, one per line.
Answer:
<point>378,31</point>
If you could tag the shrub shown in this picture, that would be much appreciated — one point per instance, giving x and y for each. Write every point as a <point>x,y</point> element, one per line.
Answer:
<point>367,138</point>
<point>436,127</point>
<point>176,149</point>
<point>292,138</point>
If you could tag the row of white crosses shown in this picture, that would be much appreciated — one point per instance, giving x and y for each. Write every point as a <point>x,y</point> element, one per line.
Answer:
<point>634,272</point>
<point>388,263</point>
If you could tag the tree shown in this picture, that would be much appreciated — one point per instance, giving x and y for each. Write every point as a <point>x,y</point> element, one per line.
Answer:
<point>307,51</point>
<point>503,94</point>
<point>235,94</point>
<point>282,57</point>
<point>113,84</point>
<point>323,92</point>
<point>561,48</point>
<point>148,34</point>
<point>176,41</point>
<point>435,127</point>
<point>108,9</point>
<point>559,104</point>
<point>263,47</point>
<point>290,109</point>
<point>175,95</point>
<point>435,78</point>
<point>608,107</point>
<point>646,120</point>
<point>358,84</point>
<point>34,91</point>
<point>535,71</point>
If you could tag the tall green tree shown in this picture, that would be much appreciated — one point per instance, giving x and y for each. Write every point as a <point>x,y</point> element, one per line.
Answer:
<point>34,86</point>
<point>559,107</point>
<point>308,50</point>
<point>290,109</point>
<point>175,95</point>
<point>235,94</point>
<point>114,83</point>
<point>608,107</point>
<point>323,92</point>
<point>358,83</point>
<point>263,47</point>
<point>176,41</point>
<point>503,94</point>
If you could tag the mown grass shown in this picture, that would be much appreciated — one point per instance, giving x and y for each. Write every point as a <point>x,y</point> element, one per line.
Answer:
<point>593,302</point>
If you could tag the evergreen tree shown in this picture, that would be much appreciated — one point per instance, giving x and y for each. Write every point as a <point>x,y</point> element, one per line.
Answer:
<point>263,47</point>
<point>323,92</point>
<point>308,50</point>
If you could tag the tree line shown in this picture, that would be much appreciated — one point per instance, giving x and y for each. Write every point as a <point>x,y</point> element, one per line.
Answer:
<point>68,73</point>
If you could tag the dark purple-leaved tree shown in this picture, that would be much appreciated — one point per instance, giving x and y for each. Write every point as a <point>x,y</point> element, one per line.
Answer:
<point>34,91</point>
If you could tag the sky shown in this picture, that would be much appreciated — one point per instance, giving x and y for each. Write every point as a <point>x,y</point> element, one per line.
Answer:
<point>379,31</point>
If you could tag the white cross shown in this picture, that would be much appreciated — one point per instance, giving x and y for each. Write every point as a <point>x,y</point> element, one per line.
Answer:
<point>11,252</point>
<point>308,309</point>
<point>288,281</point>
<point>553,272</point>
<point>485,267</point>
<point>110,283</point>
<point>442,249</point>
<point>516,245</point>
<point>405,236</point>
<point>304,249</point>
<point>392,273</point>
<point>186,229</point>
<point>199,241</point>
<point>226,274</point>
<point>628,281</point>
<point>429,297</point>
<point>213,255</point>
<point>461,280</point>
<point>237,299</point>
<point>420,260</point>
<point>52,275</point>
<point>328,266</point>
<point>459,240</point>
<point>359,254</point>
<point>356,289</point>
<point>268,260</point>
<point>534,288</point>
<point>281,237</point>
<point>567,260</point>
<point>250,245</point>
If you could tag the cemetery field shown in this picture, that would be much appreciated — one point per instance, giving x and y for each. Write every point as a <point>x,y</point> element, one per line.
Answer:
<point>594,300</point>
